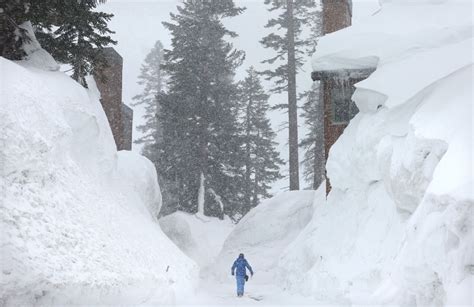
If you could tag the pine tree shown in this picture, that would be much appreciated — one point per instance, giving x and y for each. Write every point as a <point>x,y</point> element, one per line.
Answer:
<point>314,159</point>
<point>153,79</point>
<point>13,14</point>
<point>290,46</point>
<point>313,111</point>
<point>71,31</point>
<point>201,161</point>
<point>261,158</point>
<point>80,36</point>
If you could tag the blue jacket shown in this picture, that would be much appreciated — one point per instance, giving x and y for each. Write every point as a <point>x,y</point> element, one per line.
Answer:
<point>240,264</point>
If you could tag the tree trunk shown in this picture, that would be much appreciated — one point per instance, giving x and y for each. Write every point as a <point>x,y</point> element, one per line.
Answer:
<point>203,156</point>
<point>257,178</point>
<point>203,125</point>
<point>248,169</point>
<point>201,195</point>
<point>292,102</point>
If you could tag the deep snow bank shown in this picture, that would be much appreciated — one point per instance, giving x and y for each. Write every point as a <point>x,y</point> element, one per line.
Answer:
<point>77,221</point>
<point>199,237</point>
<point>264,233</point>
<point>398,224</point>
<point>343,251</point>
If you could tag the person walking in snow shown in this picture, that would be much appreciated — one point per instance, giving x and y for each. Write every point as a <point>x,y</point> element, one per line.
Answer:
<point>239,269</point>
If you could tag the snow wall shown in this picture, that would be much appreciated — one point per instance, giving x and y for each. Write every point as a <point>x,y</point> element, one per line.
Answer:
<point>397,227</point>
<point>263,233</point>
<point>77,219</point>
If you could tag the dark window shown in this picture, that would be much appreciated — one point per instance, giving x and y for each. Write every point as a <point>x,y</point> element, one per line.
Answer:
<point>343,108</point>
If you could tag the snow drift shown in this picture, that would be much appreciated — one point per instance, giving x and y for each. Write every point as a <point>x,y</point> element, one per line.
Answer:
<point>398,224</point>
<point>78,221</point>
<point>264,233</point>
<point>200,237</point>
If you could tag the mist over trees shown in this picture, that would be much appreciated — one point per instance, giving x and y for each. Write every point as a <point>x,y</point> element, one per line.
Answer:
<point>201,161</point>
<point>262,161</point>
<point>207,134</point>
<point>153,80</point>
<point>314,160</point>
<point>291,47</point>
<point>313,143</point>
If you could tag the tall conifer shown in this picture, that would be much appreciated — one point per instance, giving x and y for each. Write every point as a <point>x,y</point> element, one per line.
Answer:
<point>290,47</point>
<point>262,161</point>
<point>201,160</point>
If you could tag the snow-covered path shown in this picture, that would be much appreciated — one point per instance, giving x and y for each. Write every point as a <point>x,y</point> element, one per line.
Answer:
<point>214,244</point>
<point>262,293</point>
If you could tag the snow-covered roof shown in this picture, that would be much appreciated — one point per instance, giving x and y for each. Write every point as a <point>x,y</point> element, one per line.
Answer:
<point>405,41</point>
<point>398,28</point>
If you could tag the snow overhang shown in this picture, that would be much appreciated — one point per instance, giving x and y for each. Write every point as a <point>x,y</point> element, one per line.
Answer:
<point>354,73</point>
<point>400,57</point>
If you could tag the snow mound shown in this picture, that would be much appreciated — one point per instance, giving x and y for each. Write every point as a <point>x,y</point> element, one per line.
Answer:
<point>199,237</point>
<point>77,220</point>
<point>398,224</point>
<point>265,232</point>
<point>140,173</point>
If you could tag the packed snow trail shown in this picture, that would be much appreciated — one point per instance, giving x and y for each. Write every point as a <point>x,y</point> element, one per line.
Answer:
<point>257,292</point>
<point>214,245</point>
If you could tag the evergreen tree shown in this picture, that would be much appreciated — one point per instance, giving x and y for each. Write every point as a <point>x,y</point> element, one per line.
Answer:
<point>80,36</point>
<point>72,31</point>
<point>314,161</point>
<point>153,79</point>
<point>261,158</point>
<point>201,161</point>
<point>13,14</point>
<point>289,46</point>
<point>314,158</point>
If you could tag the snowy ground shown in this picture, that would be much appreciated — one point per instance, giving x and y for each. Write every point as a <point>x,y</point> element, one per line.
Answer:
<point>262,293</point>
<point>263,234</point>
